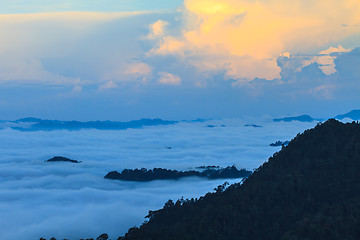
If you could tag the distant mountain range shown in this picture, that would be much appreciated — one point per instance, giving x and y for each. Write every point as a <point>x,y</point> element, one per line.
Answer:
<point>354,115</point>
<point>302,118</point>
<point>36,124</point>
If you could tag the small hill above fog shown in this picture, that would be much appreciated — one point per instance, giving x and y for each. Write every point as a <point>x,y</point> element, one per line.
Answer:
<point>354,115</point>
<point>144,175</point>
<point>302,118</point>
<point>62,159</point>
<point>308,190</point>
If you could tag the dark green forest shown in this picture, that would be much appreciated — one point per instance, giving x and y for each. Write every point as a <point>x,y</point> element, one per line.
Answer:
<point>144,175</point>
<point>308,190</point>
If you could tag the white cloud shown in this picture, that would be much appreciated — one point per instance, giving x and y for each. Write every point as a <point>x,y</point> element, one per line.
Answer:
<point>157,29</point>
<point>135,71</point>
<point>330,50</point>
<point>293,64</point>
<point>326,59</point>
<point>169,79</point>
<point>108,85</point>
<point>244,38</point>
<point>138,69</point>
<point>168,45</point>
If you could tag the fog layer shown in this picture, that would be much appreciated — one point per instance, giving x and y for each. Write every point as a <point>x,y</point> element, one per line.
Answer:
<point>67,200</point>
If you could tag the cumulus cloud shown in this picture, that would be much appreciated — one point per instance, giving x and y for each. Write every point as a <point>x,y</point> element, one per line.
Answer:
<point>306,78</point>
<point>108,85</point>
<point>169,79</point>
<point>125,71</point>
<point>292,64</point>
<point>157,29</point>
<point>326,59</point>
<point>331,50</point>
<point>244,38</point>
<point>138,68</point>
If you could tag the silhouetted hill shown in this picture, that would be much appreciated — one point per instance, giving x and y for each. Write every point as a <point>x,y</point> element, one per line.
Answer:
<point>302,118</point>
<point>37,124</point>
<point>309,190</point>
<point>354,115</point>
<point>143,175</point>
<point>62,159</point>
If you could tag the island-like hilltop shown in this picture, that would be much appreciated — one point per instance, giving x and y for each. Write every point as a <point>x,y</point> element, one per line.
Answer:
<point>144,175</point>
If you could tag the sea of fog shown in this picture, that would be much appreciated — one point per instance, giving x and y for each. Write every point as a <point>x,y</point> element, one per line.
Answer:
<point>67,200</point>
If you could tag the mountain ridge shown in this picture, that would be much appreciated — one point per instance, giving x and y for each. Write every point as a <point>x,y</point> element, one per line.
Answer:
<point>37,124</point>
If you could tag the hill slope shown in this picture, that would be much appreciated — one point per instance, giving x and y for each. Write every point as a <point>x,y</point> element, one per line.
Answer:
<point>354,115</point>
<point>308,190</point>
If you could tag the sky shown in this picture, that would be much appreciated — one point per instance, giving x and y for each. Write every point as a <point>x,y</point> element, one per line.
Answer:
<point>123,60</point>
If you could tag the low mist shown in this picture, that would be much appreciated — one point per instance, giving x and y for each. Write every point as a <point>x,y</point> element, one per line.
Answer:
<point>69,200</point>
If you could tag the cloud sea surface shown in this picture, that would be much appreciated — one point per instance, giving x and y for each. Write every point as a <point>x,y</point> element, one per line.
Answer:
<point>65,200</point>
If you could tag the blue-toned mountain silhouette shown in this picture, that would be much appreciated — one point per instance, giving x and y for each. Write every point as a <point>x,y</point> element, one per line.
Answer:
<point>354,115</point>
<point>302,118</point>
<point>37,124</point>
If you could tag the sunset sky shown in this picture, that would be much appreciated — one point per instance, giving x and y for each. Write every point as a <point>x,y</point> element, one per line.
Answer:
<point>130,59</point>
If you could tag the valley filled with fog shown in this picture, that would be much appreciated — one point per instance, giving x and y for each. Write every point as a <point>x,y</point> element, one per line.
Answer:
<point>73,200</point>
